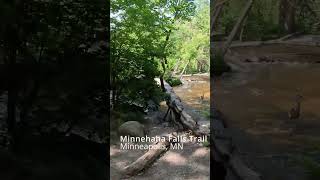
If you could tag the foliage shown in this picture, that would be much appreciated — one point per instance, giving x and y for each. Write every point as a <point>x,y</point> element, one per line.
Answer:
<point>140,31</point>
<point>53,48</point>
<point>173,81</point>
<point>190,42</point>
<point>206,144</point>
<point>262,22</point>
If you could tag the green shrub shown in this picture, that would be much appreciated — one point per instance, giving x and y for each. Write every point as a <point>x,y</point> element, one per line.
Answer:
<point>219,66</point>
<point>173,81</point>
<point>206,144</point>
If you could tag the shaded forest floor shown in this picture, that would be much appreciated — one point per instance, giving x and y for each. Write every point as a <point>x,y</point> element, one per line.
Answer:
<point>46,152</point>
<point>54,157</point>
<point>192,162</point>
<point>255,99</point>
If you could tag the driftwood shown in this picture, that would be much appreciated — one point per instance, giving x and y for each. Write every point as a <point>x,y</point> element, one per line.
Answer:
<point>147,159</point>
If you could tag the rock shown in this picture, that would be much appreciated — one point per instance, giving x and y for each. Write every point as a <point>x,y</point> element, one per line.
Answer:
<point>165,124</point>
<point>152,106</point>
<point>132,128</point>
<point>247,60</point>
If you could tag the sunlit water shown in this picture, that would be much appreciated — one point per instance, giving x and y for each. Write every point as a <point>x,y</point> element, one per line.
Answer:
<point>195,92</point>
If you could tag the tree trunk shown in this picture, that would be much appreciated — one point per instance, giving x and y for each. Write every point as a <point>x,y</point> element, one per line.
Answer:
<point>163,64</point>
<point>12,84</point>
<point>184,69</point>
<point>287,13</point>
<point>12,98</point>
<point>28,101</point>
<point>236,28</point>
<point>242,29</point>
<point>164,60</point>
<point>216,13</point>
<point>176,68</point>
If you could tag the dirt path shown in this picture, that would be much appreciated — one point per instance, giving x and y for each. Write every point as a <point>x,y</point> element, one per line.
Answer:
<point>190,163</point>
<point>256,102</point>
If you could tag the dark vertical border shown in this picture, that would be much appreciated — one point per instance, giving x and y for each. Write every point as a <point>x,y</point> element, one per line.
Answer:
<point>108,92</point>
<point>211,91</point>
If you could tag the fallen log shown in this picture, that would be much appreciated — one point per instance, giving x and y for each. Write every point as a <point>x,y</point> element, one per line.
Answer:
<point>180,116</point>
<point>289,36</point>
<point>283,40</point>
<point>222,142</point>
<point>147,159</point>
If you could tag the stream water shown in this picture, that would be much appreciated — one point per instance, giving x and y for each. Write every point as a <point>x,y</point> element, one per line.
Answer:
<point>195,92</point>
<point>256,102</point>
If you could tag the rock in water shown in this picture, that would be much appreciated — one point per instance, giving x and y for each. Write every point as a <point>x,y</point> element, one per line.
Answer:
<point>132,128</point>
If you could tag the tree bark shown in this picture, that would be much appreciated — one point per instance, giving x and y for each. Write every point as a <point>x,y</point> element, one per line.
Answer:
<point>147,158</point>
<point>184,69</point>
<point>242,29</point>
<point>11,45</point>
<point>176,67</point>
<point>162,75</point>
<point>216,13</point>
<point>287,12</point>
<point>12,97</point>
<point>164,60</point>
